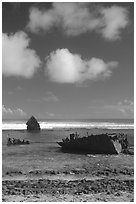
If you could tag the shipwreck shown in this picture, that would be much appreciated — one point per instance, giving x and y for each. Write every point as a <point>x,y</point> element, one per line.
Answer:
<point>95,144</point>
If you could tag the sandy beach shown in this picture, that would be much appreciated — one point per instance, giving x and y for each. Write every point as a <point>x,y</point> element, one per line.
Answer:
<point>68,101</point>
<point>41,172</point>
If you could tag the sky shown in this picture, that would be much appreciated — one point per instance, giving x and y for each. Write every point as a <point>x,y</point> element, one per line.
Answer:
<point>67,60</point>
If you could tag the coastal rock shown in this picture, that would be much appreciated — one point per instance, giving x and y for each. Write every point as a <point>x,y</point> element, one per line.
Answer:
<point>33,125</point>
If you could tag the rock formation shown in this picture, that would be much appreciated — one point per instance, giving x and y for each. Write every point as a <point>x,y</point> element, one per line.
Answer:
<point>33,125</point>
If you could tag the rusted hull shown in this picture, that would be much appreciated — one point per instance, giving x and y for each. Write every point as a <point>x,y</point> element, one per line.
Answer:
<point>96,145</point>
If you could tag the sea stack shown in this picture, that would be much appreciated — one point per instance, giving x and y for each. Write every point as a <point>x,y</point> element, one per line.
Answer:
<point>33,125</point>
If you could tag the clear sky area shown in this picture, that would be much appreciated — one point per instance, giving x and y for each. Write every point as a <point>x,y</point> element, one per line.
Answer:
<point>68,60</point>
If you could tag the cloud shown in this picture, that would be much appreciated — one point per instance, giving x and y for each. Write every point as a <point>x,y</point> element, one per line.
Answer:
<point>50,97</point>
<point>19,88</point>
<point>115,19</point>
<point>10,92</point>
<point>126,107</point>
<point>64,67</point>
<point>77,18</point>
<point>17,58</point>
<point>49,114</point>
<point>12,113</point>
<point>39,19</point>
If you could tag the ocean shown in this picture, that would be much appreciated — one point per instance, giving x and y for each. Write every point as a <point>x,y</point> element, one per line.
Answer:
<point>60,124</point>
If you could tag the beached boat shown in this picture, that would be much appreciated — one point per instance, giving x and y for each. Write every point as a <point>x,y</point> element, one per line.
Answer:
<point>95,144</point>
<point>17,142</point>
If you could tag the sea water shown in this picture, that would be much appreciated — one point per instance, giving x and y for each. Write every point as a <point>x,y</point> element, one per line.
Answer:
<point>88,124</point>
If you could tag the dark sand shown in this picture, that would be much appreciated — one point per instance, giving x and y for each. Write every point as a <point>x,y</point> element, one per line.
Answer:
<point>79,178</point>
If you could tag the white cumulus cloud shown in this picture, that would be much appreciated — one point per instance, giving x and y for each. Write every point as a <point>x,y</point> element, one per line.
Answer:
<point>17,58</point>
<point>64,67</point>
<point>12,113</point>
<point>77,18</point>
<point>39,19</point>
<point>115,18</point>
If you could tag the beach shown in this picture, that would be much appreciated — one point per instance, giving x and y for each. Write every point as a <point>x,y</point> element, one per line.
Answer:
<point>67,101</point>
<point>42,172</point>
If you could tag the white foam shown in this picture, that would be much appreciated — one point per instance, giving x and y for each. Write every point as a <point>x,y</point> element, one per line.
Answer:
<point>62,125</point>
<point>13,126</point>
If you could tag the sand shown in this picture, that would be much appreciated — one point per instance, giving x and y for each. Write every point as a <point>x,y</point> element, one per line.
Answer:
<point>105,188</point>
<point>87,178</point>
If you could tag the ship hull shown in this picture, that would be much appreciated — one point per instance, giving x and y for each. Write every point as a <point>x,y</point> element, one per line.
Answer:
<point>94,145</point>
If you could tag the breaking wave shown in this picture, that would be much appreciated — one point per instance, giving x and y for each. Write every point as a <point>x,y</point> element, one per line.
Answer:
<point>18,125</point>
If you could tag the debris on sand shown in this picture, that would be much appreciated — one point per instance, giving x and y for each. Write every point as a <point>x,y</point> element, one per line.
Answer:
<point>13,141</point>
